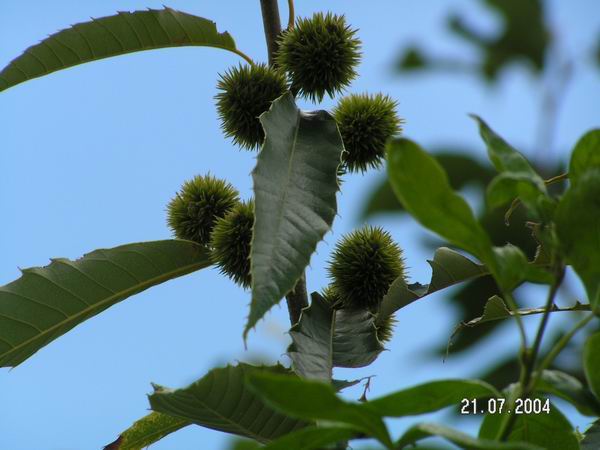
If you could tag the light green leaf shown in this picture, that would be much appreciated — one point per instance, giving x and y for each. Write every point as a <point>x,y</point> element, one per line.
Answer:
<point>591,362</point>
<point>146,431</point>
<point>437,207</point>
<point>46,302</point>
<point>311,350</point>
<point>591,440</point>
<point>549,431</point>
<point>295,183</point>
<point>578,229</point>
<point>425,430</point>
<point>586,155</point>
<point>355,342</point>
<point>512,268</point>
<point>448,268</point>
<point>517,178</point>
<point>570,389</point>
<point>311,438</point>
<point>315,400</point>
<point>429,397</point>
<point>221,400</point>
<point>120,34</point>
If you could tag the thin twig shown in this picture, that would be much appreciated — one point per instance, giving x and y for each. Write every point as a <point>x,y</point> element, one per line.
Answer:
<point>291,14</point>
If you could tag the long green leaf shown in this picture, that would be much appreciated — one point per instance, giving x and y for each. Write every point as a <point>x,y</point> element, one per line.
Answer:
<point>295,183</point>
<point>46,302</point>
<point>146,431</point>
<point>425,430</point>
<point>549,431</point>
<point>578,229</point>
<point>570,389</point>
<point>311,350</point>
<point>315,400</point>
<point>591,362</point>
<point>221,400</point>
<point>448,268</point>
<point>311,438</point>
<point>435,206</point>
<point>120,34</point>
<point>429,397</point>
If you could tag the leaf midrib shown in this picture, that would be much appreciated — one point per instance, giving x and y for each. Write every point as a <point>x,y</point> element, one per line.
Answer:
<point>113,298</point>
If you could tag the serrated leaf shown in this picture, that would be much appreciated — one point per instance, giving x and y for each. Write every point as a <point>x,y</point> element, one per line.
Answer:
<point>46,302</point>
<point>295,183</point>
<point>429,397</point>
<point>315,400</point>
<point>311,350</point>
<point>221,400</point>
<point>115,35</point>
<point>311,438</point>
<point>355,342</point>
<point>424,430</point>
<point>534,429</point>
<point>437,207</point>
<point>146,431</point>
<point>570,389</point>
<point>591,362</point>
<point>578,228</point>
<point>591,440</point>
<point>448,268</point>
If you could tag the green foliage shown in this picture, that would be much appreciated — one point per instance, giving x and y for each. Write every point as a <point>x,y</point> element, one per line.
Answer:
<point>363,266</point>
<point>221,400</point>
<point>366,123</point>
<point>570,389</point>
<point>193,212</point>
<point>146,431</point>
<point>46,302</point>
<point>320,54</point>
<point>295,183</point>
<point>245,92</point>
<point>425,430</point>
<point>311,438</point>
<point>591,362</point>
<point>534,429</point>
<point>230,241</point>
<point>591,440</point>
<point>438,208</point>
<point>112,36</point>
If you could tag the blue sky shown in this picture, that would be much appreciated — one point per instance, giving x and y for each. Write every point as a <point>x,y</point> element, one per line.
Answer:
<point>90,157</point>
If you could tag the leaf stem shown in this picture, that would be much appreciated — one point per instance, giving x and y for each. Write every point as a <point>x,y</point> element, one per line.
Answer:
<point>243,55</point>
<point>297,298</point>
<point>291,14</point>
<point>514,309</point>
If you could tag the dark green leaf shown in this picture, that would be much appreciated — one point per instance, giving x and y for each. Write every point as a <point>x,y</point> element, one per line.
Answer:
<point>429,397</point>
<point>448,268</point>
<point>585,156</point>
<point>123,33</point>
<point>295,183</point>
<point>221,400</point>
<point>311,350</point>
<point>578,229</point>
<point>570,389</point>
<point>591,362</point>
<point>46,302</point>
<point>549,431</point>
<point>591,441</point>
<point>512,268</point>
<point>315,400</point>
<point>425,430</point>
<point>147,431</point>
<point>355,342</point>
<point>438,207</point>
<point>311,438</point>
